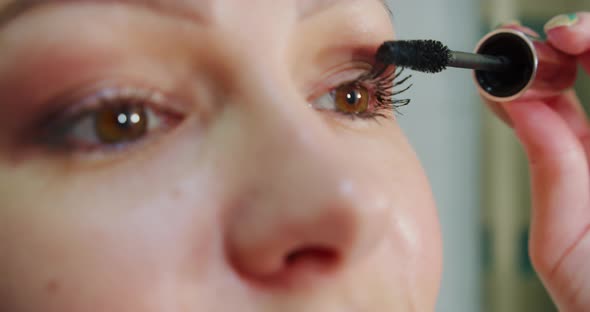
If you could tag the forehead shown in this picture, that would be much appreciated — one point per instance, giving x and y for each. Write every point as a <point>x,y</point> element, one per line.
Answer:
<point>10,9</point>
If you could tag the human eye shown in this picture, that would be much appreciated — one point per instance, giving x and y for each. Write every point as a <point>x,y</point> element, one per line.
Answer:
<point>368,96</point>
<point>111,120</point>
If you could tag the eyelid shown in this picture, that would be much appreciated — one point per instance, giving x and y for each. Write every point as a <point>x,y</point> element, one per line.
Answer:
<point>338,76</point>
<point>96,98</point>
<point>74,105</point>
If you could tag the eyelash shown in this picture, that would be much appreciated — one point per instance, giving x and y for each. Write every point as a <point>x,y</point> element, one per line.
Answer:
<point>382,84</point>
<point>379,83</point>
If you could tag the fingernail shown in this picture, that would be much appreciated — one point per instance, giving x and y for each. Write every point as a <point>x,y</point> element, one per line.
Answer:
<point>563,20</point>
<point>509,23</point>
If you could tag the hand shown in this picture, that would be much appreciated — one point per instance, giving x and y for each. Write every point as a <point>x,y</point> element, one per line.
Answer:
<point>556,135</point>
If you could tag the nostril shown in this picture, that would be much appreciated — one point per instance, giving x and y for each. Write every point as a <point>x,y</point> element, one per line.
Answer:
<point>316,256</point>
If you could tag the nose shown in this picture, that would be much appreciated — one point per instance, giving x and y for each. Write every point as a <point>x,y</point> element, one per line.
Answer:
<point>305,205</point>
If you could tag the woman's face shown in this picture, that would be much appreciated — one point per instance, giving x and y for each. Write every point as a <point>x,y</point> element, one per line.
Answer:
<point>206,156</point>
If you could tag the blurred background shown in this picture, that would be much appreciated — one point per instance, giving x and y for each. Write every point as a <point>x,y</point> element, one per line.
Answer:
<point>477,169</point>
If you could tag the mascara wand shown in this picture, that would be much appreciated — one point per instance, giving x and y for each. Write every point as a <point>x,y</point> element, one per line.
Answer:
<point>507,64</point>
<point>432,56</point>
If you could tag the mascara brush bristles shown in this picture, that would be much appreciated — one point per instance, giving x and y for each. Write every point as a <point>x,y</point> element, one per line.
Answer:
<point>421,55</point>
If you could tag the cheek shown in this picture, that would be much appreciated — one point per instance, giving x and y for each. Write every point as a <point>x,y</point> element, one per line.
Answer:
<point>415,219</point>
<point>414,227</point>
<point>120,243</point>
<point>416,233</point>
<point>135,238</point>
<point>411,252</point>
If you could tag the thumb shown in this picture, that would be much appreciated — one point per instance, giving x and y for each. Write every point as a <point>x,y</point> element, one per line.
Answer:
<point>570,32</point>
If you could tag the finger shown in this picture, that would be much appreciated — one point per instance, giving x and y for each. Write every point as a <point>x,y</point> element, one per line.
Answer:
<point>560,182</point>
<point>567,106</point>
<point>570,109</point>
<point>570,33</point>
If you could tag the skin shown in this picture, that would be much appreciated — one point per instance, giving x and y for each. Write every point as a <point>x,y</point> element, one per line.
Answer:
<point>255,201</point>
<point>205,215</point>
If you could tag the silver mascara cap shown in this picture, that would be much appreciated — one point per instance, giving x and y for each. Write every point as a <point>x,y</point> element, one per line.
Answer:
<point>537,69</point>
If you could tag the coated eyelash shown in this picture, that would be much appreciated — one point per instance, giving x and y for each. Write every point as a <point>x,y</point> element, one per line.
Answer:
<point>383,84</point>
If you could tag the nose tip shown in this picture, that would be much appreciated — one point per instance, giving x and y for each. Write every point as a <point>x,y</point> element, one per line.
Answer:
<point>281,244</point>
<point>298,240</point>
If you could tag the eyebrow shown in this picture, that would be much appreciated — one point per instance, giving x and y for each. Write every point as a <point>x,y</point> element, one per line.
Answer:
<point>320,5</point>
<point>16,8</point>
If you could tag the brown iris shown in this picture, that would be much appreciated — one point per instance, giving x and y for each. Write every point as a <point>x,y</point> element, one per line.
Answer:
<point>352,99</point>
<point>120,124</point>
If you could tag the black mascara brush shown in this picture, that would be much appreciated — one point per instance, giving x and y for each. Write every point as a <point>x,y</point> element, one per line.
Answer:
<point>432,56</point>
<point>507,64</point>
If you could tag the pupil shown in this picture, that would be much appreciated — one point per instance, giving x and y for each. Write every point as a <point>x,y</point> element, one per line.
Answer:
<point>120,124</point>
<point>124,118</point>
<point>352,97</point>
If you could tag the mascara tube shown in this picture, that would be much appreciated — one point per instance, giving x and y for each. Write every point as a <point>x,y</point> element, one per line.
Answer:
<point>537,70</point>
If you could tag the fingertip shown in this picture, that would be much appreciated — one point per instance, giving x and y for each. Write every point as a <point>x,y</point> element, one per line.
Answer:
<point>562,20</point>
<point>570,33</point>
